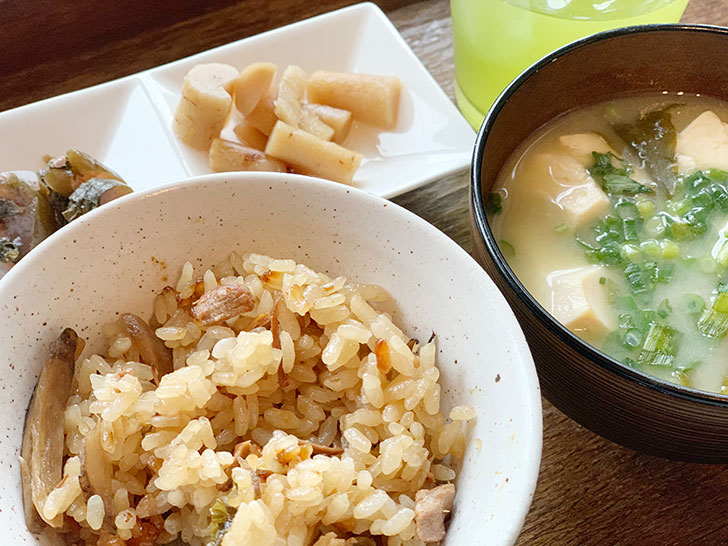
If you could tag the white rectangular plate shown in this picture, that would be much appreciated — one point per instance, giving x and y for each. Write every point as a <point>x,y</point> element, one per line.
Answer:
<point>126,123</point>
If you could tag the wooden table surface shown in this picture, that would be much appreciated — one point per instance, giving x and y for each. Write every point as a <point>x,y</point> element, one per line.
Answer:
<point>590,491</point>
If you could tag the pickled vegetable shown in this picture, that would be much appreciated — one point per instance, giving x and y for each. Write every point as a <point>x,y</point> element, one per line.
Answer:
<point>34,205</point>
<point>25,218</point>
<point>90,195</point>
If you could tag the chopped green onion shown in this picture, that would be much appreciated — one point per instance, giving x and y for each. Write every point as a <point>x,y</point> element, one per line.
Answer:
<point>632,252</point>
<point>665,308</point>
<point>647,318</point>
<point>682,231</point>
<point>670,249</point>
<point>626,321</point>
<point>561,228</point>
<point>614,180</point>
<point>635,279</point>
<point>494,204</point>
<point>651,248</point>
<point>678,207</point>
<point>632,338</point>
<point>708,264</point>
<point>717,175</point>
<point>665,272</point>
<point>660,346</point>
<point>507,248</point>
<point>602,280</point>
<point>655,226</point>
<point>704,198</point>
<point>696,181</point>
<point>713,324</point>
<point>720,196</point>
<point>721,303</point>
<point>694,304</point>
<point>646,207</point>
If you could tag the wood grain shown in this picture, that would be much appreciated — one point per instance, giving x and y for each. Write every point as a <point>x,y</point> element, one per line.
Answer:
<point>590,491</point>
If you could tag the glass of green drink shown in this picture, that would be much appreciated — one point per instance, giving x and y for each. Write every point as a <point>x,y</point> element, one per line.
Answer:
<point>495,40</point>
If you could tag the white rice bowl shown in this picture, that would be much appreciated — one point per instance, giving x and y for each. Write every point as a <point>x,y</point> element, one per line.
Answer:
<point>117,259</point>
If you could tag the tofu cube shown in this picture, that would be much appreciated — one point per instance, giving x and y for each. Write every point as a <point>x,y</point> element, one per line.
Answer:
<point>580,302</point>
<point>581,145</point>
<point>705,142</point>
<point>562,169</point>
<point>584,203</point>
<point>576,193</point>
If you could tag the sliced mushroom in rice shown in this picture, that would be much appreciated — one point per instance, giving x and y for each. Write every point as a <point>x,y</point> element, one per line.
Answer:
<point>152,350</point>
<point>41,453</point>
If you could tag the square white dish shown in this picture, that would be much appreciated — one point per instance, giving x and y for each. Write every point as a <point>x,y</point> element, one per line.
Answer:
<point>126,123</point>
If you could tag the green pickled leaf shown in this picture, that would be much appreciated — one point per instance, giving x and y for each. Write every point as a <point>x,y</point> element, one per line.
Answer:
<point>87,196</point>
<point>9,208</point>
<point>10,250</point>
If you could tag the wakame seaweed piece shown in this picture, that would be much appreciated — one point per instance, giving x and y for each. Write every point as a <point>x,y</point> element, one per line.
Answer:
<point>614,180</point>
<point>88,197</point>
<point>653,137</point>
<point>659,347</point>
<point>10,250</point>
<point>494,204</point>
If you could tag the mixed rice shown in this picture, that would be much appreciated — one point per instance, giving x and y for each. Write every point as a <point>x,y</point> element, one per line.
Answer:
<point>290,411</point>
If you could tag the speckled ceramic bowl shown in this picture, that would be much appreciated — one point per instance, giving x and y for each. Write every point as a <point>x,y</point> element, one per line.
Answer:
<point>616,401</point>
<point>116,258</point>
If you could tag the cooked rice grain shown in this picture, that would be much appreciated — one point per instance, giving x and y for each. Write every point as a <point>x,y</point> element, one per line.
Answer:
<point>310,418</point>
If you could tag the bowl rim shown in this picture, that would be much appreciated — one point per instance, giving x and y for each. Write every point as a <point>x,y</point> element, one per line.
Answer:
<point>529,385</point>
<point>477,202</point>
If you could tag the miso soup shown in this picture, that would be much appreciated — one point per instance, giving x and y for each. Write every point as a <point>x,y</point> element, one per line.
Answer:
<point>615,218</point>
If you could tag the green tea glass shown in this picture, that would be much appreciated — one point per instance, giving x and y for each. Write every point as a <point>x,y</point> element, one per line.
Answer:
<point>495,40</point>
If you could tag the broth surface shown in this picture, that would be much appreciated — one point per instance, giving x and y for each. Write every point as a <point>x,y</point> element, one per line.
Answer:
<point>627,269</point>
